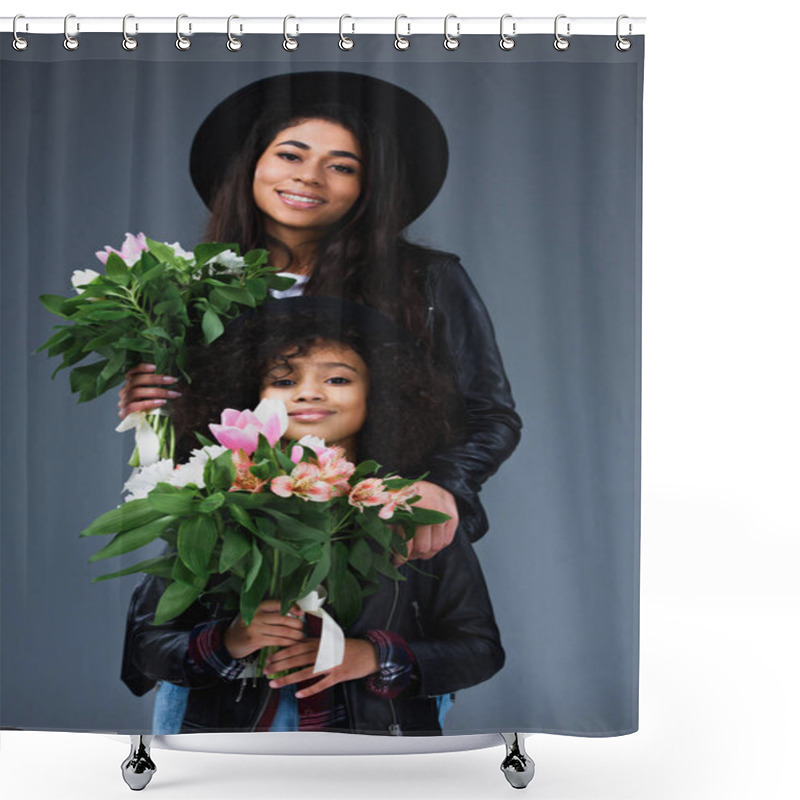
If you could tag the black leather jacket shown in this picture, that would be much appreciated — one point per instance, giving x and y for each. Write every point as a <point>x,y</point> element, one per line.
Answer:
<point>445,617</point>
<point>463,334</point>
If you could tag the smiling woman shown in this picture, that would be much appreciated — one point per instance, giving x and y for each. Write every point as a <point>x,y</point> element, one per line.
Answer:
<point>306,181</point>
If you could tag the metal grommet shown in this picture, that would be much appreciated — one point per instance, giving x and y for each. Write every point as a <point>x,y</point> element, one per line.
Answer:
<point>451,42</point>
<point>623,44</point>
<point>70,42</point>
<point>506,42</point>
<point>400,42</point>
<point>182,43</point>
<point>128,42</point>
<point>345,43</point>
<point>19,43</point>
<point>561,43</point>
<point>233,44</point>
<point>288,42</point>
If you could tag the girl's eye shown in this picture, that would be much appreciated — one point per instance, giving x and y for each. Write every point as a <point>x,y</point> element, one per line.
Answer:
<point>289,156</point>
<point>343,168</point>
<point>282,383</point>
<point>338,381</point>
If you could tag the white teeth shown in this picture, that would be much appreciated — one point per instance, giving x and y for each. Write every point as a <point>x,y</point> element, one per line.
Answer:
<point>299,198</point>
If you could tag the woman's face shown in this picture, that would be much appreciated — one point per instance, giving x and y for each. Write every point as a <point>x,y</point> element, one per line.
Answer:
<point>307,179</point>
<point>325,392</point>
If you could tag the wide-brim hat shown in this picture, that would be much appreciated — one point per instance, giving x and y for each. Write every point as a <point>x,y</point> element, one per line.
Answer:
<point>390,109</point>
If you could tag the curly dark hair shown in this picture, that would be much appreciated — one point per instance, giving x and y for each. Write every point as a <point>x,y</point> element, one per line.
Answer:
<point>413,410</point>
<point>366,257</point>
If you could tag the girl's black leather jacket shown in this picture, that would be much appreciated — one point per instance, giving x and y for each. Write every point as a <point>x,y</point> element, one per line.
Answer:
<point>445,617</point>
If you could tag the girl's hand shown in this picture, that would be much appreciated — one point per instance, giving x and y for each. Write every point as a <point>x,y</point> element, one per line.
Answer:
<point>144,390</point>
<point>428,540</point>
<point>360,660</point>
<point>268,627</point>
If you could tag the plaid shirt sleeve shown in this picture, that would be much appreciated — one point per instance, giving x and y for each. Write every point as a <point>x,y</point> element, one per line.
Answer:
<point>207,657</point>
<point>398,671</point>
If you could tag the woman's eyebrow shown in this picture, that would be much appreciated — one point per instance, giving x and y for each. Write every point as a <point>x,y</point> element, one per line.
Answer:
<point>337,153</point>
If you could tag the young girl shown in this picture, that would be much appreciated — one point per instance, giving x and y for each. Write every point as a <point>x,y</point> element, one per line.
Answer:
<point>326,170</point>
<point>345,377</point>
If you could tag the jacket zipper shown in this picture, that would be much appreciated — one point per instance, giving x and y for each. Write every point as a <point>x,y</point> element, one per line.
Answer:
<point>394,728</point>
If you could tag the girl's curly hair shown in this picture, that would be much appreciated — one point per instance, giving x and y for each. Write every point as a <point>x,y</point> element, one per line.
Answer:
<point>413,408</point>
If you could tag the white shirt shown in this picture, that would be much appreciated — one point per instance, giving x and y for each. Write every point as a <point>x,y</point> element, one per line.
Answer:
<point>293,291</point>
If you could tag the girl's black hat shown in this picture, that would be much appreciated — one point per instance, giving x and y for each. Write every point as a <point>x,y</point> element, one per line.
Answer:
<point>419,134</point>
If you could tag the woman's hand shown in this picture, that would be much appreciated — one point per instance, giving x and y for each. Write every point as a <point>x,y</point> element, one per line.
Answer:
<point>269,627</point>
<point>428,540</point>
<point>144,390</point>
<point>360,660</point>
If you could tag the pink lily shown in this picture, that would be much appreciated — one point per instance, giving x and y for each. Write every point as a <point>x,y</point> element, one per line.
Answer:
<point>398,501</point>
<point>130,252</point>
<point>303,482</point>
<point>239,430</point>
<point>369,492</point>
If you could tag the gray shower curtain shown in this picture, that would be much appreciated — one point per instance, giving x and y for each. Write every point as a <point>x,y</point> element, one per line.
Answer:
<point>541,203</point>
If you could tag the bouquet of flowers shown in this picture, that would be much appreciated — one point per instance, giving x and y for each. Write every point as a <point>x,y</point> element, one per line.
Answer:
<point>248,519</point>
<point>142,308</point>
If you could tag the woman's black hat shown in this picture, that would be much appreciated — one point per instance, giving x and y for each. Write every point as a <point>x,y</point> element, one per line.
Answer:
<point>419,134</point>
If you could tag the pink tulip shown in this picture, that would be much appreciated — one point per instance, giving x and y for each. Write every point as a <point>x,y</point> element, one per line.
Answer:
<point>131,251</point>
<point>304,482</point>
<point>398,501</point>
<point>297,454</point>
<point>369,492</point>
<point>239,430</point>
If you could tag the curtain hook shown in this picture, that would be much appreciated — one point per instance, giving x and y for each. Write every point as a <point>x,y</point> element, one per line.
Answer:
<point>182,43</point>
<point>506,41</point>
<point>400,42</point>
<point>129,42</point>
<point>233,44</point>
<point>561,43</point>
<point>288,42</point>
<point>451,42</point>
<point>345,43</point>
<point>19,43</point>
<point>70,42</point>
<point>623,44</point>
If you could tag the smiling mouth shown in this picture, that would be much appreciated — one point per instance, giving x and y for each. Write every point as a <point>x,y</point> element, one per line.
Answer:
<point>300,200</point>
<point>310,415</point>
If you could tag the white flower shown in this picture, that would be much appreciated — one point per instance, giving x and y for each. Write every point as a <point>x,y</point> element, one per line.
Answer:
<point>179,251</point>
<point>192,470</point>
<point>80,277</point>
<point>147,441</point>
<point>229,261</point>
<point>143,479</point>
<point>313,442</point>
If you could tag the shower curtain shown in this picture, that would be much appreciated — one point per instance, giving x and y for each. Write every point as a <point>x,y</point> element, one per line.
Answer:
<point>530,204</point>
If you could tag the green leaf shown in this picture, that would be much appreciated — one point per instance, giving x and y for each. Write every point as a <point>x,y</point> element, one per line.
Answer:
<point>163,252</point>
<point>171,500</point>
<point>152,566</point>
<point>54,303</point>
<point>236,294</point>
<point>363,469</point>
<point>196,539</point>
<point>255,594</point>
<point>177,597</point>
<point>204,252</point>
<point>321,569</point>
<point>254,258</point>
<point>117,270</point>
<point>129,515</point>
<point>291,528</point>
<point>113,365</point>
<point>255,566</point>
<point>361,557</point>
<point>219,472</point>
<point>234,545</point>
<point>83,380</point>
<point>211,504</point>
<point>242,517</point>
<point>182,574</point>
<point>347,599</point>
<point>381,563</point>
<point>133,539</point>
<point>427,516</point>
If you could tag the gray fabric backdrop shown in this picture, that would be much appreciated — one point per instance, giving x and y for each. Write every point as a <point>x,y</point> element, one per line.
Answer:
<point>543,204</point>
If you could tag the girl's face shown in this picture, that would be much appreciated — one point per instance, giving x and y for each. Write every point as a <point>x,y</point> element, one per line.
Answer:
<point>308,178</point>
<point>325,392</point>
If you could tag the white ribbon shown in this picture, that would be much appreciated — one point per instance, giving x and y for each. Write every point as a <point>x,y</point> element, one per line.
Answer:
<point>331,640</point>
<point>147,441</point>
